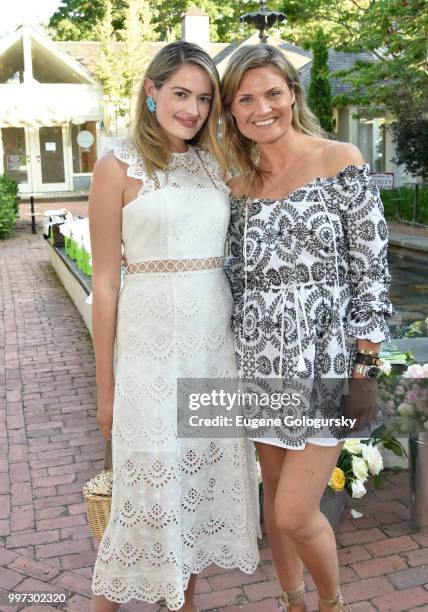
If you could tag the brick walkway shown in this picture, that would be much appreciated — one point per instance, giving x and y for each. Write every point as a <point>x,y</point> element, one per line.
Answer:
<point>51,446</point>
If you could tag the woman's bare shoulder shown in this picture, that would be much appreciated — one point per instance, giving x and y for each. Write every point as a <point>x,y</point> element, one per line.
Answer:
<point>338,155</point>
<point>109,166</point>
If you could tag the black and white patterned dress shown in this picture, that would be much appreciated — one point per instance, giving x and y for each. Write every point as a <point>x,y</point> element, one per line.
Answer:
<point>309,275</point>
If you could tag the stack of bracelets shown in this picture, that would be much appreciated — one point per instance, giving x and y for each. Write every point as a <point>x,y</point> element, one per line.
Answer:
<point>367,363</point>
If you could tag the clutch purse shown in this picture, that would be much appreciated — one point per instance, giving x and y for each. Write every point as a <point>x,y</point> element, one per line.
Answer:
<point>97,493</point>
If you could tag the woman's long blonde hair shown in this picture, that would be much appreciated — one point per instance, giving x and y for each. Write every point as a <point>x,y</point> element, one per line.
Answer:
<point>149,138</point>
<point>242,153</point>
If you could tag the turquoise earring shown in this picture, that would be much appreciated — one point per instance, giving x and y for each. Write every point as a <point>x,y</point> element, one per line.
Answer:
<point>151,104</point>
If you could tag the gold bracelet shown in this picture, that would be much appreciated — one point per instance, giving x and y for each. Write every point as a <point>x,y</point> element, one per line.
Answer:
<point>365,351</point>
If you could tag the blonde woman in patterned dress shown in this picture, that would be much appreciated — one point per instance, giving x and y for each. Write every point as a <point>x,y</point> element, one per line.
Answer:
<point>309,274</point>
<point>178,504</point>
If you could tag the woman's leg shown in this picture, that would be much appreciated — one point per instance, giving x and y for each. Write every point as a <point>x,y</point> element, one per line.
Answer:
<point>100,603</point>
<point>288,564</point>
<point>304,476</point>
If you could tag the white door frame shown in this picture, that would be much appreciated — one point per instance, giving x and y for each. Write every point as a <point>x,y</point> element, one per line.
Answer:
<point>38,185</point>
<point>28,186</point>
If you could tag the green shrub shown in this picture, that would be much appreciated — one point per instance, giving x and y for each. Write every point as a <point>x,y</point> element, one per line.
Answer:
<point>405,196</point>
<point>9,203</point>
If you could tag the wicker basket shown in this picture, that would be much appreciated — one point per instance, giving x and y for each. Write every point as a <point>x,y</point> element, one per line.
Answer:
<point>97,494</point>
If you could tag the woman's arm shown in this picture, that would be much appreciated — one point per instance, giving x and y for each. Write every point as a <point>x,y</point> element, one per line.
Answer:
<point>105,223</point>
<point>367,236</point>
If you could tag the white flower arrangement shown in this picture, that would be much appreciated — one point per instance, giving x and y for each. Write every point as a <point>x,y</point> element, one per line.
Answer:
<point>358,461</point>
<point>406,400</point>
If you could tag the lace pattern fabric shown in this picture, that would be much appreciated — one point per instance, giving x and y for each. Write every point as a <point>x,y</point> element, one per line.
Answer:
<point>178,504</point>
<point>196,164</point>
<point>309,275</point>
<point>174,265</point>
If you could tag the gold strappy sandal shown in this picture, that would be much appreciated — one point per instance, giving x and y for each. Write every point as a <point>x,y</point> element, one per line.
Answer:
<point>294,597</point>
<point>337,600</point>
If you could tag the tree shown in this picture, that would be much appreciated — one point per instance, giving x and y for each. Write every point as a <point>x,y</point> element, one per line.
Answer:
<point>319,94</point>
<point>339,20</point>
<point>137,33</point>
<point>77,19</point>
<point>122,66</point>
<point>410,135</point>
<point>394,31</point>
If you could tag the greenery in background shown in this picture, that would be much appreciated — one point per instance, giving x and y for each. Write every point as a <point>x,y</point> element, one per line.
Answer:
<point>8,206</point>
<point>395,32</point>
<point>405,197</point>
<point>78,19</point>
<point>120,72</point>
<point>417,329</point>
<point>410,134</point>
<point>319,93</point>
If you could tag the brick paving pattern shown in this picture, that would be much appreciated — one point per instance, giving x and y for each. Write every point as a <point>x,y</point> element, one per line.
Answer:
<point>50,446</point>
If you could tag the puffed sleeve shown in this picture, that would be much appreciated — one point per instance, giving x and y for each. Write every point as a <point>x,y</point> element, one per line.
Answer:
<point>367,241</point>
<point>234,258</point>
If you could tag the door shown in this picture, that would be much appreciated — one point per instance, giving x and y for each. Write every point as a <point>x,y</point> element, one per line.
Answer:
<point>16,158</point>
<point>51,174</point>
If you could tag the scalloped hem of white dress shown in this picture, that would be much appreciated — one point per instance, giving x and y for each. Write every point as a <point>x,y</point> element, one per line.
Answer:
<point>159,597</point>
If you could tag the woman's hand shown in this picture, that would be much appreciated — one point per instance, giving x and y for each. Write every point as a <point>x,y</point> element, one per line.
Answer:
<point>362,402</point>
<point>105,413</point>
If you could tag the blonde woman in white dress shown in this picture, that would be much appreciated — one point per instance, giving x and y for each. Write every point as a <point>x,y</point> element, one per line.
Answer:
<point>178,504</point>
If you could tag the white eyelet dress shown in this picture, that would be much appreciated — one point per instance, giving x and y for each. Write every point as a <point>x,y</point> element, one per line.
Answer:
<point>179,504</point>
<point>309,275</point>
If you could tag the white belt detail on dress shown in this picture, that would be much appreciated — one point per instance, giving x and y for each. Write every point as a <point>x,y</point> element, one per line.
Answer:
<point>174,265</point>
<point>298,305</point>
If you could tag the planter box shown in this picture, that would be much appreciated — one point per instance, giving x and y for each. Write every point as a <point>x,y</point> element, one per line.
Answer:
<point>77,284</point>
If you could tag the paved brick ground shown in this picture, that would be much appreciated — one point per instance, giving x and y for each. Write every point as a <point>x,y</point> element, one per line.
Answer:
<point>50,446</point>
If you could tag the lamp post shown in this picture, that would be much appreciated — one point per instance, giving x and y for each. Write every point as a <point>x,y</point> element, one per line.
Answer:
<point>263,20</point>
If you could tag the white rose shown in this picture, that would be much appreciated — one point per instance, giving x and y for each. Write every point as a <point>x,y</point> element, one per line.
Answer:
<point>358,489</point>
<point>373,458</point>
<point>360,469</point>
<point>386,367</point>
<point>353,446</point>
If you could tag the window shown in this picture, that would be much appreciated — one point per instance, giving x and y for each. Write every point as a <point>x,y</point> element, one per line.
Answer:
<point>371,142</point>
<point>12,64</point>
<point>83,159</point>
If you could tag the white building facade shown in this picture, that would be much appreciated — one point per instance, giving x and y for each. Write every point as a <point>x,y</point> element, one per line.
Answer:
<point>46,99</point>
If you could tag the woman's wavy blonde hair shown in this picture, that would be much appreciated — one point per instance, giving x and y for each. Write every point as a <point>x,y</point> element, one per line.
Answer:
<point>242,154</point>
<point>149,137</point>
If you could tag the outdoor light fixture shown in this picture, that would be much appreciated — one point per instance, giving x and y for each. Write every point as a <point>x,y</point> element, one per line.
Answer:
<point>263,20</point>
